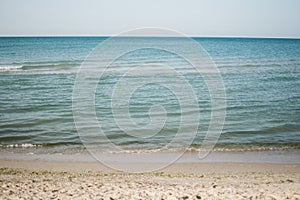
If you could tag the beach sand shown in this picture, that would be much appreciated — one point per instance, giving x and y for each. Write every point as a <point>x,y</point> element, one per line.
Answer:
<point>21,179</point>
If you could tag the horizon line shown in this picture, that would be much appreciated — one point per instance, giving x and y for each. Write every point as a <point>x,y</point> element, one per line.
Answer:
<point>192,36</point>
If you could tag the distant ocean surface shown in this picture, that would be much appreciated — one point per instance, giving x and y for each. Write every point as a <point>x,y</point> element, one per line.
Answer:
<point>261,79</point>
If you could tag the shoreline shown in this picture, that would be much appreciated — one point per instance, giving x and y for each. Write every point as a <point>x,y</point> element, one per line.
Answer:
<point>149,162</point>
<point>291,156</point>
<point>238,175</point>
<point>175,168</point>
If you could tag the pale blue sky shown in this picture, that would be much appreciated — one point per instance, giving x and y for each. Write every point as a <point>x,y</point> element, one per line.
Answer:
<point>244,18</point>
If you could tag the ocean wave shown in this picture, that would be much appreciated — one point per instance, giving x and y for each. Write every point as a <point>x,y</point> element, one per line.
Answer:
<point>41,145</point>
<point>55,67</point>
<point>282,128</point>
<point>218,148</point>
<point>195,148</point>
<point>233,147</point>
<point>6,68</point>
<point>26,145</point>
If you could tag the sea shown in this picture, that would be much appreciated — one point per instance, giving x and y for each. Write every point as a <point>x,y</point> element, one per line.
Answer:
<point>261,79</point>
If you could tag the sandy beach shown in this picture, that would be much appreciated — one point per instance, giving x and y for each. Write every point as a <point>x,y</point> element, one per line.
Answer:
<point>21,179</point>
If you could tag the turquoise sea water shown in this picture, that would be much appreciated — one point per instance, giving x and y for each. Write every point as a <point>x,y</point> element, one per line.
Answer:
<point>261,79</point>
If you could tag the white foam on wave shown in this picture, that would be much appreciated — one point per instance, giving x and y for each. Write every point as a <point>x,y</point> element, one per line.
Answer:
<point>26,145</point>
<point>246,148</point>
<point>21,70</point>
<point>10,68</point>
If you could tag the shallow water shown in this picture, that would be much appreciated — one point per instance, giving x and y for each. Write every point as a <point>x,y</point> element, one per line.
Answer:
<point>261,79</point>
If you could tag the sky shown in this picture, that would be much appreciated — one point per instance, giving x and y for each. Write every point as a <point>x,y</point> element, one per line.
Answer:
<point>232,18</point>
